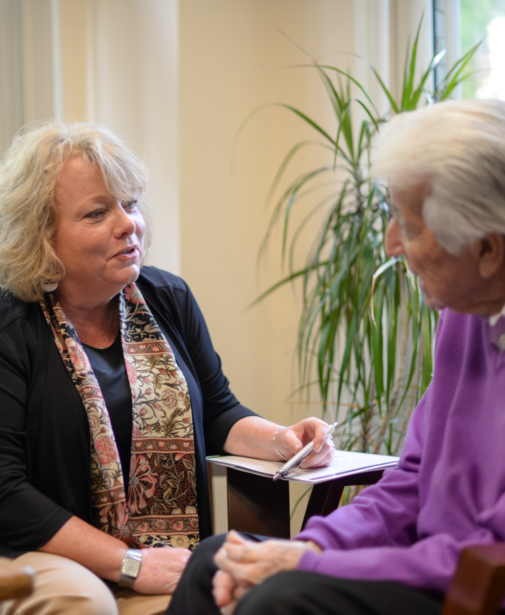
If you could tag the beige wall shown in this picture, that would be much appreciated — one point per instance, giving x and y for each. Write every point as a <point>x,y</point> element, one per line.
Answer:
<point>232,56</point>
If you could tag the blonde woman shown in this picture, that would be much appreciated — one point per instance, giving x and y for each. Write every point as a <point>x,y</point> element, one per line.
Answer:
<point>111,393</point>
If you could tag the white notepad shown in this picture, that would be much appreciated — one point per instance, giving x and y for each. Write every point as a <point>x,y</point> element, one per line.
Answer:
<point>344,463</point>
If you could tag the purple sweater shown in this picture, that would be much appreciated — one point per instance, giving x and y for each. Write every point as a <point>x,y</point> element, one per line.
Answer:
<point>448,491</point>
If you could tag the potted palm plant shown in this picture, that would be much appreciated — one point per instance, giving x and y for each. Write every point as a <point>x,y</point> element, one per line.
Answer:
<point>365,335</point>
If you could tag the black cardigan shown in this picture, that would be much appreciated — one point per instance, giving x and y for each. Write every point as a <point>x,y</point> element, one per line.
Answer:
<point>44,431</point>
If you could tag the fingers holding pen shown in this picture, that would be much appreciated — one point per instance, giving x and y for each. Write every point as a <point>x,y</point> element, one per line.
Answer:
<point>320,438</point>
<point>324,448</point>
<point>321,457</point>
<point>290,440</point>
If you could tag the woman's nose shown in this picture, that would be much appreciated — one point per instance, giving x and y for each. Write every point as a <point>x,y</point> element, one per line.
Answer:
<point>394,239</point>
<point>125,225</point>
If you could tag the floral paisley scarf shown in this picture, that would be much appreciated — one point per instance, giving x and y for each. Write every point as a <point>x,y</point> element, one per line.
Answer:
<point>161,508</point>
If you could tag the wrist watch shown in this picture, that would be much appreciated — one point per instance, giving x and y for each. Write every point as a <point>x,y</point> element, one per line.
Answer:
<point>130,568</point>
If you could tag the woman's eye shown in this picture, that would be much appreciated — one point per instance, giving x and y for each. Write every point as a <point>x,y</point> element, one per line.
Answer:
<point>130,205</point>
<point>96,214</point>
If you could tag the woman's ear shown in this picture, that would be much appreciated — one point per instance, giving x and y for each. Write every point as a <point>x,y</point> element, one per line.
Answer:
<point>491,254</point>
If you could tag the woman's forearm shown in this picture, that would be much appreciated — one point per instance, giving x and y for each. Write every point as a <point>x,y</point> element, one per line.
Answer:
<point>253,436</point>
<point>81,542</point>
<point>159,573</point>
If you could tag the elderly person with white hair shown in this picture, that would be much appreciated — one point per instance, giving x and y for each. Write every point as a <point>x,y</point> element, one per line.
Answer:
<point>396,547</point>
<point>111,393</point>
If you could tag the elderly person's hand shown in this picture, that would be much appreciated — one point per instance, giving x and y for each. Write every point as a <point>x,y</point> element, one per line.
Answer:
<point>244,564</point>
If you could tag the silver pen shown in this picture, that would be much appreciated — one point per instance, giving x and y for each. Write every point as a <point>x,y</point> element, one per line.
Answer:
<point>297,459</point>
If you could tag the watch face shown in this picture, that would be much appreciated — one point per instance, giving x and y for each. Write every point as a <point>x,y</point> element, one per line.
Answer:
<point>131,567</point>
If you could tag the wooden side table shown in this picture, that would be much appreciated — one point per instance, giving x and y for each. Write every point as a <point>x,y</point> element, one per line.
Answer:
<point>259,505</point>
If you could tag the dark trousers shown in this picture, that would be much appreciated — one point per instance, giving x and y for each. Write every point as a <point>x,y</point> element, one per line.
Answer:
<point>297,592</point>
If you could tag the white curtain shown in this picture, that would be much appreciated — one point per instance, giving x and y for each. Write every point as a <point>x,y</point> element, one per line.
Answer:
<point>27,91</point>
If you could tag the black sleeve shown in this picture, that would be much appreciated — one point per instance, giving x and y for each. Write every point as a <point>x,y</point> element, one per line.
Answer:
<point>28,519</point>
<point>175,305</point>
<point>221,408</point>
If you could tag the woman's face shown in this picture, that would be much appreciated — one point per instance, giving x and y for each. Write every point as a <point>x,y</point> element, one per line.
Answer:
<point>99,239</point>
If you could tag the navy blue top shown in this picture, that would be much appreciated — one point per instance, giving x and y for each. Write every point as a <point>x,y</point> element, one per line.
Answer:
<point>110,370</point>
<point>44,430</point>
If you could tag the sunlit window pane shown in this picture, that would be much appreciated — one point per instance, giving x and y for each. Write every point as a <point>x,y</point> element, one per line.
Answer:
<point>484,20</point>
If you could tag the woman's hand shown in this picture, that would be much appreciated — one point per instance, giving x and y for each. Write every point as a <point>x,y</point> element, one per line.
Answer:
<point>161,570</point>
<point>245,563</point>
<point>290,440</point>
<point>253,436</point>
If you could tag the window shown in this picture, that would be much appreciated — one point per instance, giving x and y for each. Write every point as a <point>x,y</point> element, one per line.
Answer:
<point>479,22</point>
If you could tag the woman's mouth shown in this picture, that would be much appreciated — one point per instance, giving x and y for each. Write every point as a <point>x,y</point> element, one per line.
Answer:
<point>129,252</point>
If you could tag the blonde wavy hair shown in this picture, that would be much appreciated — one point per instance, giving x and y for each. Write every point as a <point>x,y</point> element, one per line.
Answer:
<point>28,175</point>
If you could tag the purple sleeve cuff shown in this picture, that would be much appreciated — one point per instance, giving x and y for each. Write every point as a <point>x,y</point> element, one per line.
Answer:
<point>309,561</point>
<point>320,536</point>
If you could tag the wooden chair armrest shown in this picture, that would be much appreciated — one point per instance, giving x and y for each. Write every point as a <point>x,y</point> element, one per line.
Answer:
<point>15,581</point>
<point>479,583</point>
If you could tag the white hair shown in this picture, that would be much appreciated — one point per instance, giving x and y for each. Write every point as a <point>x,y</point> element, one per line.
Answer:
<point>458,149</point>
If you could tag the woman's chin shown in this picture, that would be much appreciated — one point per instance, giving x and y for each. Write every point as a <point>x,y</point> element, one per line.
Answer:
<point>129,276</point>
<point>133,277</point>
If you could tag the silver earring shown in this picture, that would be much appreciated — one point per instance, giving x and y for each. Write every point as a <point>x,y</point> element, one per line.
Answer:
<point>48,288</point>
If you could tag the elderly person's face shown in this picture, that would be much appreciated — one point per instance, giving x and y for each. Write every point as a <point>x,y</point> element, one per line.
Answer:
<point>472,282</point>
<point>99,239</point>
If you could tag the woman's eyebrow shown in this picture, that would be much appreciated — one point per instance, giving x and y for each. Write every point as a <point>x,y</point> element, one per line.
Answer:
<point>96,198</point>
